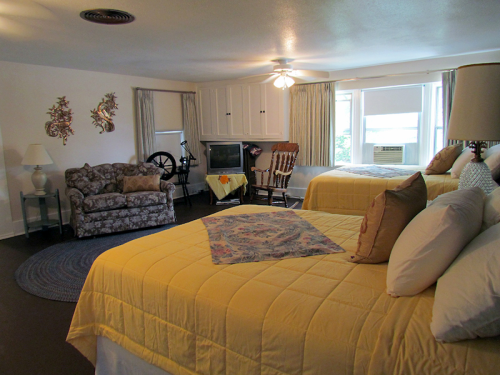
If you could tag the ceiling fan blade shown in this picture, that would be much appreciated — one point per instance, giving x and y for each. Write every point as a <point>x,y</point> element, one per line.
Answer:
<point>309,73</point>
<point>269,79</point>
<point>256,75</point>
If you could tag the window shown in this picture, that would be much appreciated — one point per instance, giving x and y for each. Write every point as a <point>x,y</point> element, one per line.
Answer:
<point>408,116</point>
<point>343,121</point>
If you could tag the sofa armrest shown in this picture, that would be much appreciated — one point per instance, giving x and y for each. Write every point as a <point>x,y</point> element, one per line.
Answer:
<point>75,197</point>
<point>168,188</point>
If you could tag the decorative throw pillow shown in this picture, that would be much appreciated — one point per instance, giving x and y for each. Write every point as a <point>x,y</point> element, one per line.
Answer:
<point>89,181</point>
<point>386,218</point>
<point>491,213</point>
<point>461,162</point>
<point>444,159</point>
<point>467,299</point>
<point>492,160</point>
<point>432,240</point>
<point>141,183</point>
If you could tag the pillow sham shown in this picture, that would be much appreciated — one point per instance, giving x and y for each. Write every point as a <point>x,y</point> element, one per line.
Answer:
<point>386,218</point>
<point>141,183</point>
<point>444,159</point>
<point>491,212</point>
<point>467,299</point>
<point>432,240</point>
<point>492,160</point>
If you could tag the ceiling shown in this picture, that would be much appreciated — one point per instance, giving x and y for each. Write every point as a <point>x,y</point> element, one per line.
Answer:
<point>210,40</point>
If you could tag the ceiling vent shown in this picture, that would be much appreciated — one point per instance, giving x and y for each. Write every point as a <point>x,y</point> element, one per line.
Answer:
<point>107,16</point>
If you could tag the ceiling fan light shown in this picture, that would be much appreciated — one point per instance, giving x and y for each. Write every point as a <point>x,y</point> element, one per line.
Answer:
<point>284,81</point>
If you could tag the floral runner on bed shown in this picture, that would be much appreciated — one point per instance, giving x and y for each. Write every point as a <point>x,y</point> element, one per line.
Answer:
<point>378,171</point>
<point>265,236</point>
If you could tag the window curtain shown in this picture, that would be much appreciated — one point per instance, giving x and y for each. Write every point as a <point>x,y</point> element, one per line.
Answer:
<point>145,124</point>
<point>312,123</point>
<point>190,123</point>
<point>448,81</point>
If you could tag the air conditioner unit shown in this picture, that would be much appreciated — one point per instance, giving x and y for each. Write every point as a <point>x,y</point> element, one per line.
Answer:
<point>388,154</point>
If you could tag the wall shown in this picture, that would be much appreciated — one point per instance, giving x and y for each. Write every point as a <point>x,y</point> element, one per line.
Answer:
<point>28,91</point>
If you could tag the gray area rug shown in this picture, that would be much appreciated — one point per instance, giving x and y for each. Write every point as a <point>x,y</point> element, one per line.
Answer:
<point>59,271</point>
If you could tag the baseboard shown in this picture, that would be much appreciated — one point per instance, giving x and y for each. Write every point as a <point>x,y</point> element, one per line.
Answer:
<point>192,189</point>
<point>19,224</point>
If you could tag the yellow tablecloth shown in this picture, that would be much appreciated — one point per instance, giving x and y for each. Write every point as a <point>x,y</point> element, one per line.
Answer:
<point>222,190</point>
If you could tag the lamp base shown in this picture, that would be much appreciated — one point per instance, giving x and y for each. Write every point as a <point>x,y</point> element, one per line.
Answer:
<point>39,179</point>
<point>477,174</point>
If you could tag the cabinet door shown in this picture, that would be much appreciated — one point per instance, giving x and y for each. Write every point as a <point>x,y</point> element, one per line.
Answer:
<point>208,115</point>
<point>272,107</point>
<point>222,123</point>
<point>255,112</point>
<point>235,94</point>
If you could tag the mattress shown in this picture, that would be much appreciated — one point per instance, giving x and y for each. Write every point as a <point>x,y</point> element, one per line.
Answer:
<point>162,299</point>
<point>340,192</point>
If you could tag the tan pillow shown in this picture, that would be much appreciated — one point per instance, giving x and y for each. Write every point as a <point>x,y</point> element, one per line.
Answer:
<point>444,159</point>
<point>386,218</point>
<point>461,162</point>
<point>141,183</point>
<point>432,241</point>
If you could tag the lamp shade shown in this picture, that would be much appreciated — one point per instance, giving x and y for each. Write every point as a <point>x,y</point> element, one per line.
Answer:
<point>36,155</point>
<point>475,113</point>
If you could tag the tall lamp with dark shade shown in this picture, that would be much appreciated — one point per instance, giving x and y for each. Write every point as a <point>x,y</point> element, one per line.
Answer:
<point>475,117</point>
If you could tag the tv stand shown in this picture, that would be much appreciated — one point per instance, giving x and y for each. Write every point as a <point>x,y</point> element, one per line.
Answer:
<point>218,185</point>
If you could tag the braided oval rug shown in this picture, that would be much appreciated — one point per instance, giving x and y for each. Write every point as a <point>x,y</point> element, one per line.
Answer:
<point>59,271</point>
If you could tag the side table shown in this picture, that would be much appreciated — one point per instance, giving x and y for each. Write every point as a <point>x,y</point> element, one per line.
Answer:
<point>44,221</point>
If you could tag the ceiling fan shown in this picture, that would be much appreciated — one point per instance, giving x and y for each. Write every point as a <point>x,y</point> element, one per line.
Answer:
<point>283,73</point>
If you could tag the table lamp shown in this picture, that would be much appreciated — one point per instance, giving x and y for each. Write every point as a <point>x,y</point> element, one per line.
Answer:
<point>475,117</point>
<point>37,155</point>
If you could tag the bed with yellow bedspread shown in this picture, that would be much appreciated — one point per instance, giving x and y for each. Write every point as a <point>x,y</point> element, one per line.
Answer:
<point>162,299</point>
<point>340,192</point>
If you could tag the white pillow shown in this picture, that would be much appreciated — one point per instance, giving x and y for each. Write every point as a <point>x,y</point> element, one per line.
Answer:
<point>467,299</point>
<point>432,240</point>
<point>492,160</point>
<point>491,212</point>
<point>461,162</point>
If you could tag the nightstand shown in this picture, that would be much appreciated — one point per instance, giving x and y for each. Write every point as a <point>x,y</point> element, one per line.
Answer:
<point>44,221</point>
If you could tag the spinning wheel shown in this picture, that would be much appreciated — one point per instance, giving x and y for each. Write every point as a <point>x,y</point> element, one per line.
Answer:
<point>165,161</point>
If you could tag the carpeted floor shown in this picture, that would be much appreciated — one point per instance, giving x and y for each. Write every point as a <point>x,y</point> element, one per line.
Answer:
<point>59,271</point>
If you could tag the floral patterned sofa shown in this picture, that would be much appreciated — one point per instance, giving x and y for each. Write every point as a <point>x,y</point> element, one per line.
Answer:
<point>116,197</point>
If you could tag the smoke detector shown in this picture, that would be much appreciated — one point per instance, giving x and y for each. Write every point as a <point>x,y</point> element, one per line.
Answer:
<point>107,16</point>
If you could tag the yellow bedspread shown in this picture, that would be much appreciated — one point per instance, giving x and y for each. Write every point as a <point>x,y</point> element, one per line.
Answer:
<point>162,299</point>
<point>340,192</point>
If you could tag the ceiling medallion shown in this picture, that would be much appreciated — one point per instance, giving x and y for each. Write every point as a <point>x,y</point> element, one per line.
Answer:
<point>107,16</point>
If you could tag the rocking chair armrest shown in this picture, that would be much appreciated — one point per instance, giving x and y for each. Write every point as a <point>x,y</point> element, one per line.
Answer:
<point>283,173</point>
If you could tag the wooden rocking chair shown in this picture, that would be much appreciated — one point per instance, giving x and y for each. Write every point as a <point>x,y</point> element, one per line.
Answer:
<point>285,155</point>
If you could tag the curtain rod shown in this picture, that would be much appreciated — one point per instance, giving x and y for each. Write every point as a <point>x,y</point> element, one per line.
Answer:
<point>174,91</point>
<point>380,76</point>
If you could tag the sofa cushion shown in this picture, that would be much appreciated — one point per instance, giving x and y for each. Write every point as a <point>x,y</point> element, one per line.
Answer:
<point>104,202</point>
<point>145,198</point>
<point>141,183</point>
<point>141,169</point>
<point>108,172</point>
<point>88,180</point>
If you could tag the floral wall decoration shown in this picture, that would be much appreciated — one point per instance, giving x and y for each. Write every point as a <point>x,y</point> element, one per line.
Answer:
<point>103,114</point>
<point>60,125</point>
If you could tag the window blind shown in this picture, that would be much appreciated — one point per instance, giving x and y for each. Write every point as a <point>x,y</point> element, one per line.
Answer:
<point>392,100</point>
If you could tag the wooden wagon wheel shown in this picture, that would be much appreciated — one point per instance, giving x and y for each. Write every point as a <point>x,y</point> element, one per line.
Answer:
<point>165,161</point>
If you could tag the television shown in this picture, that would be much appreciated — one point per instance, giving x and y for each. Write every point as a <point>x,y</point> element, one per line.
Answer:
<point>224,157</point>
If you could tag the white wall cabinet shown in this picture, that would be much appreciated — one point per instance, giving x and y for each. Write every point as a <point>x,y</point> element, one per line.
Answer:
<point>245,112</point>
